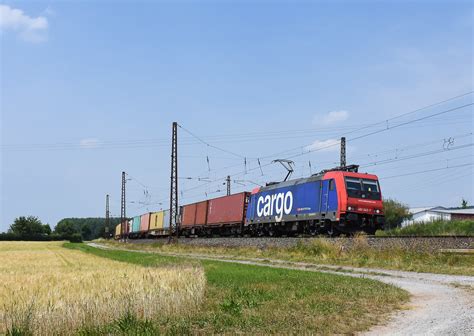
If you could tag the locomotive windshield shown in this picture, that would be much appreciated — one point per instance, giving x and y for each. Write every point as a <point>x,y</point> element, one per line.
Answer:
<point>362,188</point>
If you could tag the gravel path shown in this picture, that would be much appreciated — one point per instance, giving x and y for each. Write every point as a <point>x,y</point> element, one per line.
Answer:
<point>440,304</point>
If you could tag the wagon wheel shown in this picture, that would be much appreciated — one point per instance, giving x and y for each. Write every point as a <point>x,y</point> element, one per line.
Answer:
<point>271,231</point>
<point>332,231</point>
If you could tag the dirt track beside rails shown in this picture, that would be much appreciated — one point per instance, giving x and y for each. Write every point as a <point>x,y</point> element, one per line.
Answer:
<point>412,243</point>
<point>440,304</point>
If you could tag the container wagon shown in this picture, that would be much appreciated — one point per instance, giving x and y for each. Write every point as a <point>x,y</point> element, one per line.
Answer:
<point>135,227</point>
<point>118,231</point>
<point>159,223</point>
<point>223,215</point>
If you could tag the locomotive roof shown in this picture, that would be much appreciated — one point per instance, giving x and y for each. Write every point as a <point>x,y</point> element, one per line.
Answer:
<point>312,178</point>
<point>293,182</point>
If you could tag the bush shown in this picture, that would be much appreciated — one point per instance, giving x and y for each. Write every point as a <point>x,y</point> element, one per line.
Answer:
<point>75,238</point>
<point>395,213</point>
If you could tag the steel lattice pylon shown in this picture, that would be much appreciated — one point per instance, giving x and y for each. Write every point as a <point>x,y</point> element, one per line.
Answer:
<point>107,218</point>
<point>123,214</point>
<point>174,229</point>
<point>343,152</point>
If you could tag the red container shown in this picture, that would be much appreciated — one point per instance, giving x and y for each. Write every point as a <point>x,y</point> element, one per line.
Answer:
<point>201,213</point>
<point>145,222</point>
<point>227,209</point>
<point>188,215</point>
<point>194,214</point>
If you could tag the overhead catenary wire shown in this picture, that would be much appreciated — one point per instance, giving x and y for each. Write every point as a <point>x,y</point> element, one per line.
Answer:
<point>361,136</point>
<point>153,142</point>
<point>386,128</point>
<point>208,144</point>
<point>417,155</point>
<point>398,149</point>
<point>147,143</point>
<point>444,160</point>
<point>426,171</point>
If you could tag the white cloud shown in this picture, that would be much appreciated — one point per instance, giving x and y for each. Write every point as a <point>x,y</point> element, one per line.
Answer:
<point>329,145</point>
<point>331,118</point>
<point>28,28</point>
<point>89,143</point>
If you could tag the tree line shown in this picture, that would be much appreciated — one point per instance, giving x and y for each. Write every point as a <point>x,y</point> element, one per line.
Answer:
<point>73,229</point>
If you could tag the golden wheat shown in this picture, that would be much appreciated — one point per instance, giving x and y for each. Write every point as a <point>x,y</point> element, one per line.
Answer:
<point>51,290</point>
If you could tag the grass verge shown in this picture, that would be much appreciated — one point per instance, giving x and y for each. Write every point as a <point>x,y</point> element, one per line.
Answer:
<point>435,228</point>
<point>323,251</point>
<point>261,300</point>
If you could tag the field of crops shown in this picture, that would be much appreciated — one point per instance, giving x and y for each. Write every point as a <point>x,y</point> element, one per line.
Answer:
<point>46,289</point>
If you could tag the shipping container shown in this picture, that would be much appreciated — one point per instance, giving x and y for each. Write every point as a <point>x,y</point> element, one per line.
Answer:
<point>135,227</point>
<point>156,220</point>
<point>227,209</point>
<point>188,215</point>
<point>166,219</point>
<point>194,214</point>
<point>145,222</point>
<point>118,230</point>
<point>129,226</point>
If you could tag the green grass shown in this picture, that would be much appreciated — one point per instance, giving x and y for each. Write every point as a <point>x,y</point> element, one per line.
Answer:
<point>436,228</point>
<point>261,300</point>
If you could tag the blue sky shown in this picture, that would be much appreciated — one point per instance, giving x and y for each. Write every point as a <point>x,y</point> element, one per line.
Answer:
<point>89,89</point>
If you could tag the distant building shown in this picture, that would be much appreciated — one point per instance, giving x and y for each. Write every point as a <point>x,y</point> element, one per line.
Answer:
<point>430,214</point>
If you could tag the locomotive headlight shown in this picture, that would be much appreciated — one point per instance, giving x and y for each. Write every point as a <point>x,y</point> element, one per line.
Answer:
<point>350,208</point>
<point>377,211</point>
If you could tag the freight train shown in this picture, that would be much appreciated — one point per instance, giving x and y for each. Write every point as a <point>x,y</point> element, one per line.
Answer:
<point>339,200</point>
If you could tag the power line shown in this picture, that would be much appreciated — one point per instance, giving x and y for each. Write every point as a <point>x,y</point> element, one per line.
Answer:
<point>137,181</point>
<point>447,160</point>
<point>208,144</point>
<point>334,144</point>
<point>365,135</point>
<point>137,144</point>
<point>425,171</point>
<point>369,134</point>
<point>164,141</point>
<point>378,163</point>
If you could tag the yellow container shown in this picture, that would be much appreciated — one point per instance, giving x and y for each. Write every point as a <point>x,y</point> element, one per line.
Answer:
<point>117,230</point>
<point>156,220</point>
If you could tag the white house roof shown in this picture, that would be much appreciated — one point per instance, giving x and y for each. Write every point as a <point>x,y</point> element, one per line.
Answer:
<point>423,209</point>
<point>468,211</point>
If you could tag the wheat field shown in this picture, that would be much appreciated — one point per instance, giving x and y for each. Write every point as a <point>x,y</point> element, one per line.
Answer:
<point>49,290</point>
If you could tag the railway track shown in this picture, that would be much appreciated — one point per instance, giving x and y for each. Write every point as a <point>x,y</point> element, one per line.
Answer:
<point>412,237</point>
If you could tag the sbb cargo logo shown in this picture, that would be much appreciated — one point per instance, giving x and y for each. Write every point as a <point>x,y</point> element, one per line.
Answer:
<point>277,204</point>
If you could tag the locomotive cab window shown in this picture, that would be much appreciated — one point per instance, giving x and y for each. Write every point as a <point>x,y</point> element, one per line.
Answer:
<point>370,185</point>
<point>362,188</point>
<point>353,184</point>
<point>331,184</point>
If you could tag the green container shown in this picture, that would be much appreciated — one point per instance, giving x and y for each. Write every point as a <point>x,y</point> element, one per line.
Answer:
<point>136,224</point>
